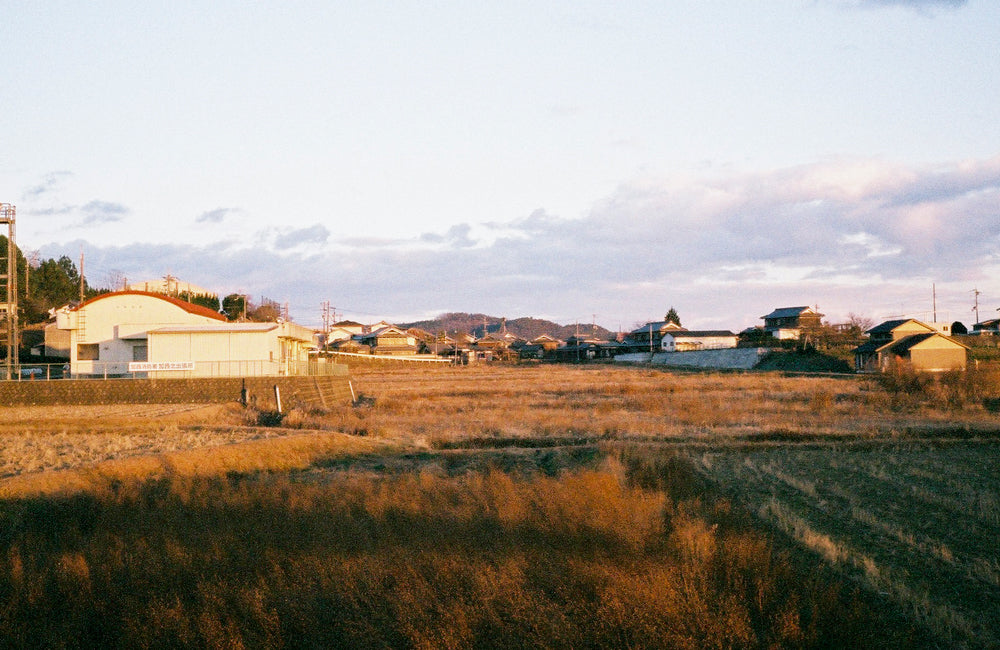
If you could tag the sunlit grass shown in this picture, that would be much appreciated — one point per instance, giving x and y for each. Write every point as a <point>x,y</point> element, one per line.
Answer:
<point>588,558</point>
<point>546,506</point>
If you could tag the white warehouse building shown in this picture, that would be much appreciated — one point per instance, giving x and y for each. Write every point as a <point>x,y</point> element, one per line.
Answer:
<point>151,334</point>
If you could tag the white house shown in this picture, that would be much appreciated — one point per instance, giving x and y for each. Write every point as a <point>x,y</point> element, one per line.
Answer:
<point>129,332</point>
<point>685,341</point>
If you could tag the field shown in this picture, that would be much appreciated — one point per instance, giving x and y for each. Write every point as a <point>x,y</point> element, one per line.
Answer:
<point>552,506</point>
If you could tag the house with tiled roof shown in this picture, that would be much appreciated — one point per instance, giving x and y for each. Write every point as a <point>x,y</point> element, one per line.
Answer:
<point>649,337</point>
<point>581,347</point>
<point>390,340</point>
<point>987,327</point>
<point>909,341</point>
<point>791,322</point>
<point>343,330</point>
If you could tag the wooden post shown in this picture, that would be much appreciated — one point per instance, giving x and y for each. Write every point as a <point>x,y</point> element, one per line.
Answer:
<point>277,397</point>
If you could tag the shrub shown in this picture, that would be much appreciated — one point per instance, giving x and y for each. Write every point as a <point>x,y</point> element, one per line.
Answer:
<point>954,389</point>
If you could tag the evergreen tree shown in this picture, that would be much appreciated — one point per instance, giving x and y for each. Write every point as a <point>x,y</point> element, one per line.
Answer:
<point>202,300</point>
<point>234,306</point>
<point>672,317</point>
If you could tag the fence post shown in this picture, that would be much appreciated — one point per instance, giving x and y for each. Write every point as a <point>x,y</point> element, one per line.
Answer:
<point>277,397</point>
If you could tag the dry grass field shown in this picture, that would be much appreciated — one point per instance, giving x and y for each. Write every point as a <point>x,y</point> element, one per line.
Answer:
<point>543,506</point>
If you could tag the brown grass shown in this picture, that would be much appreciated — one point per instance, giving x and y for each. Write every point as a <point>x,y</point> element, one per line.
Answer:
<point>589,558</point>
<point>555,506</point>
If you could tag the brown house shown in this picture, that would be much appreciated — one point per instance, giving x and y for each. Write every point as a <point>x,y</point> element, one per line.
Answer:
<point>918,344</point>
<point>791,322</point>
<point>649,337</point>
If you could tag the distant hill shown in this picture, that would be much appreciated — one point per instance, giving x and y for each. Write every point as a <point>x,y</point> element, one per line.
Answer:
<point>525,327</point>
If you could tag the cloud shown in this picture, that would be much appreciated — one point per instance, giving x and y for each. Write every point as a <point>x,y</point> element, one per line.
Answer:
<point>918,5</point>
<point>315,234</point>
<point>214,216</point>
<point>97,212</point>
<point>456,237</point>
<point>863,236</point>
<point>51,212</point>
<point>49,183</point>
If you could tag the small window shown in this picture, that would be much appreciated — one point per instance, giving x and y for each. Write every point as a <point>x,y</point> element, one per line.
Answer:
<point>88,352</point>
<point>140,353</point>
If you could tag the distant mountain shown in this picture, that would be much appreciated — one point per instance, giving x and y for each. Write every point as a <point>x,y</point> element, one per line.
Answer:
<point>525,327</point>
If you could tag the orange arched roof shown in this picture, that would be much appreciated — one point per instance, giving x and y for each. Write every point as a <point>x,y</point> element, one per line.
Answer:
<point>191,308</point>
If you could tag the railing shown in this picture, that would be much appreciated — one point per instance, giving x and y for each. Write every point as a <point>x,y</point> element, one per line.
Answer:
<point>120,370</point>
<point>415,358</point>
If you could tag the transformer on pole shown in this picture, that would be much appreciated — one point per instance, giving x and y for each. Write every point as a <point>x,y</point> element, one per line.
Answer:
<point>9,329</point>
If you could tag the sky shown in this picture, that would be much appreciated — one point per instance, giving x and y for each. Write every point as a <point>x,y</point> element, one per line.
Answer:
<point>578,161</point>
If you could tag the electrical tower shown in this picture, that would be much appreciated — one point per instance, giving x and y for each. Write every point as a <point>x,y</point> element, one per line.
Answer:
<point>9,330</point>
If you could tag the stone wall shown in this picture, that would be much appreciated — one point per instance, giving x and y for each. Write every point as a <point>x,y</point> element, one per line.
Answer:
<point>324,391</point>
<point>727,359</point>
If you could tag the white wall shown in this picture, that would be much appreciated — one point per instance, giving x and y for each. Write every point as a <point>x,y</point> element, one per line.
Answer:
<point>105,320</point>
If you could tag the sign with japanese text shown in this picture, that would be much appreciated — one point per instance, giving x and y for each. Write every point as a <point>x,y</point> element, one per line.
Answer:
<point>153,366</point>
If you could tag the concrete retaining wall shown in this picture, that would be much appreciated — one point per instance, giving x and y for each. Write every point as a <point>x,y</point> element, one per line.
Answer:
<point>726,359</point>
<point>325,391</point>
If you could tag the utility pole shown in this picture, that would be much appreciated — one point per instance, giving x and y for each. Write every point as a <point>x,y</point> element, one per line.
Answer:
<point>578,340</point>
<point>975,307</point>
<point>10,332</point>
<point>934,299</point>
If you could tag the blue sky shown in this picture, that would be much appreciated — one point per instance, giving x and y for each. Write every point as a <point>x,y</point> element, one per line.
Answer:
<point>568,160</point>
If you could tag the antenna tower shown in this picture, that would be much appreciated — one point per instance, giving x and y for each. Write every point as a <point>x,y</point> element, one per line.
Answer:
<point>9,329</point>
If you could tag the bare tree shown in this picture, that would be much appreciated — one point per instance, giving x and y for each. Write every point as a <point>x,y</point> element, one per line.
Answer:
<point>115,280</point>
<point>859,324</point>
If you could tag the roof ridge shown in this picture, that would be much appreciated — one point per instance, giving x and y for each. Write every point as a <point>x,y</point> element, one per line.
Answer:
<point>189,307</point>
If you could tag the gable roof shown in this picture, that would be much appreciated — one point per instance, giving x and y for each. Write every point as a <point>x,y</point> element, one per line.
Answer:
<point>659,326</point>
<point>890,325</point>
<point>388,329</point>
<point>191,308</point>
<point>790,312</point>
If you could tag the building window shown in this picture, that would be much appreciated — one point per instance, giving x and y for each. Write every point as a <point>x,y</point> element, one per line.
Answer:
<point>88,351</point>
<point>140,353</point>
